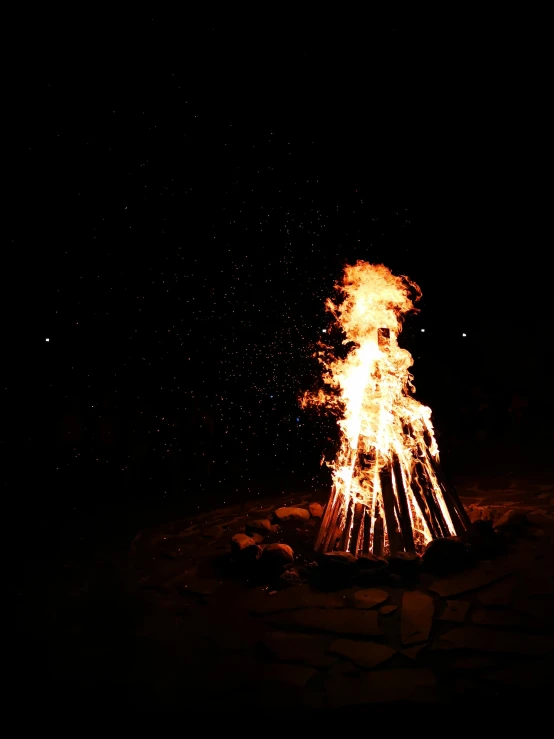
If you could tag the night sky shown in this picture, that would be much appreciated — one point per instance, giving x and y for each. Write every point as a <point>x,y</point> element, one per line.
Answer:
<point>184,198</point>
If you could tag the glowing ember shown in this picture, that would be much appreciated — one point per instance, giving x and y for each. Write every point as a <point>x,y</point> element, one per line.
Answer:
<point>388,492</point>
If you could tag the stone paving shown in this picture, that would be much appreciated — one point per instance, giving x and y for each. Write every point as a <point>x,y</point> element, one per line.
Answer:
<point>174,625</point>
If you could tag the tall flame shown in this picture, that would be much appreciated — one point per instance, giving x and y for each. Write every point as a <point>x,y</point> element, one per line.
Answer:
<point>383,429</point>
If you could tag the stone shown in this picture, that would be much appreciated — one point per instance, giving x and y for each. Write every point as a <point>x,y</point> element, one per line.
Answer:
<point>297,675</point>
<point>415,685</point>
<point>482,538</point>
<point>351,621</point>
<point>413,652</point>
<point>456,610</point>
<point>527,676</point>
<point>261,525</point>
<point>472,664</point>
<point>369,597</point>
<point>512,522</point>
<point>244,548</point>
<point>337,569</point>
<point>416,617</point>
<point>496,618</point>
<point>500,594</point>
<point>362,654</point>
<point>278,554</point>
<point>342,685</point>
<point>483,639</point>
<point>316,510</point>
<point>465,582</point>
<point>298,597</point>
<point>445,555</point>
<point>286,514</point>
<point>372,570</point>
<point>199,586</point>
<point>371,562</point>
<point>307,648</point>
<point>290,577</point>
<point>405,565</point>
<point>387,610</point>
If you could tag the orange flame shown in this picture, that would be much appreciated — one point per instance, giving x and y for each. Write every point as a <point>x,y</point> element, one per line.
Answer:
<point>381,424</point>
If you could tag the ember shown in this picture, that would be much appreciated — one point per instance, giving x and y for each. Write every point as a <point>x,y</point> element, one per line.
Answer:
<point>388,494</point>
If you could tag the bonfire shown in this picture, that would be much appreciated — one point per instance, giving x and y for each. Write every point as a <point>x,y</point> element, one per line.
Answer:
<point>389,494</point>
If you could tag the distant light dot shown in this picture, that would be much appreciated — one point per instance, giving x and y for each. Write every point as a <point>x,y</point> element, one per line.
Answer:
<point>464,334</point>
<point>46,339</point>
<point>324,331</point>
<point>422,330</point>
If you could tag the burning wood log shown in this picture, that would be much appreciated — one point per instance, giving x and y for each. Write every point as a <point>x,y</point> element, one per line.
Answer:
<point>389,492</point>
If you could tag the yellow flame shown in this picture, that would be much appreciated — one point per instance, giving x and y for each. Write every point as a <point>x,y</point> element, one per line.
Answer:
<point>381,423</point>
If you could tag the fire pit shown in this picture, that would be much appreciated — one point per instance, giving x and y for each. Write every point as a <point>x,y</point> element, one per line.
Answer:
<point>389,494</point>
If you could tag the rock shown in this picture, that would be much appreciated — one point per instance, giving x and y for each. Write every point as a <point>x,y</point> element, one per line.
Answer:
<point>405,565</point>
<point>467,581</point>
<point>416,617</point>
<point>387,610</point>
<point>316,510</point>
<point>483,639</point>
<point>352,621</point>
<point>512,522</point>
<point>456,610</point>
<point>500,594</point>
<point>445,555</point>
<point>290,577</point>
<point>286,514</point>
<point>472,664</point>
<point>278,554</point>
<point>372,570</point>
<point>496,618</point>
<point>337,569</point>
<point>413,652</point>
<point>244,548</point>
<point>298,597</point>
<point>417,685</point>
<point>262,525</point>
<point>307,648</point>
<point>297,675</point>
<point>482,538</point>
<point>371,562</point>
<point>369,597</point>
<point>257,538</point>
<point>199,586</point>
<point>363,654</point>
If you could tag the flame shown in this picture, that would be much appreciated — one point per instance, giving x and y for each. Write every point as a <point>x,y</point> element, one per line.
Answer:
<point>384,432</point>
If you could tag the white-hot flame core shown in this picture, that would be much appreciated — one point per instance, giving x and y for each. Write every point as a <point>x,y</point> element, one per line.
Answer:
<point>372,388</point>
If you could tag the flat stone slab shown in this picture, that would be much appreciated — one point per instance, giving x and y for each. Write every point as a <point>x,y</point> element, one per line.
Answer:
<point>496,618</point>
<point>307,648</point>
<point>387,610</point>
<point>456,610</point>
<point>417,685</point>
<point>467,581</point>
<point>416,617</point>
<point>484,639</point>
<point>413,652</point>
<point>301,596</point>
<point>352,621</point>
<point>473,664</point>
<point>369,597</point>
<point>528,676</point>
<point>364,654</point>
<point>199,586</point>
<point>297,675</point>
<point>500,594</point>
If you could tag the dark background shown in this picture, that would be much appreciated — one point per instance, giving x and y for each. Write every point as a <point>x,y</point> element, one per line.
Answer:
<point>183,196</point>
